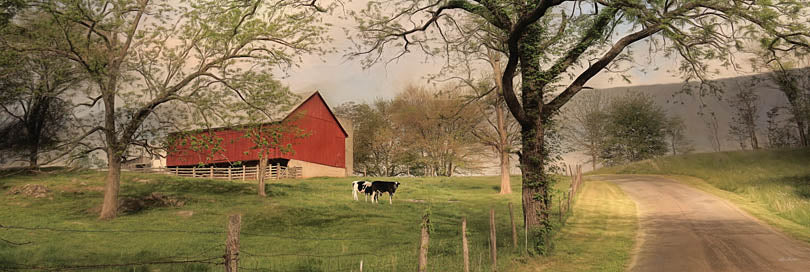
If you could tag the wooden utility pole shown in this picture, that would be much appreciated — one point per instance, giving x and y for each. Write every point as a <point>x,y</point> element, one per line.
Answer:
<point>423,244</point>
<point>464,248</point>
<point>232,243</point>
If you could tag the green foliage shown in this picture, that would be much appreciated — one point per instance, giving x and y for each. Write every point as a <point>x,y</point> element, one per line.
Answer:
<point>549,41</point>
<point>375,143</point>
<point>585,125</point>
<point>780,132</point>
<point>678,142</point>
<point>35,106</point>
<point>635,128</point>
<point>419,132</point>
<point>8,8</point>
<point>745,105</point>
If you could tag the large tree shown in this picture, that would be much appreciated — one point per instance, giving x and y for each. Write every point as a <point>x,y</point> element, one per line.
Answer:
<point>378,149</point>
<point>678,142</point>
<point>745,116</point>
<point>557,46</point>
<point>199,60</point>
<point>795,84</point>
<point>35,97</point>
<point>436,128</point>
<point>585,124</point>
<point>36,88</point>
<point>636,129</point>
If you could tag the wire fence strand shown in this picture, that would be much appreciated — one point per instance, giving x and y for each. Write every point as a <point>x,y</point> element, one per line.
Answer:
<point>98,266</point>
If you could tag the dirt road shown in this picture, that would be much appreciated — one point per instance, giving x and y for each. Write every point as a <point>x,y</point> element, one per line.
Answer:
<point>684,229</point>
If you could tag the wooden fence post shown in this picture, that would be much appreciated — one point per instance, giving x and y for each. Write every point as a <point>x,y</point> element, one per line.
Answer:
<point>561,211</point>
<point>493,251</point>
<point>211,174</point>
<point>243,172</point>
<point>232,243</point>
<point>177,170</point>
<point>423,244</point>
<point>464,248</point>
<point>514,229</point>
<point>194,171</point>
<point>570,195</point>
<point>229,173</point>
<point>570,172</point>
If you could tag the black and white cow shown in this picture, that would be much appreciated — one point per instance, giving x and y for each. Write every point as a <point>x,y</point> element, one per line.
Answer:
<point>379,187</point>
<point>361,186</point>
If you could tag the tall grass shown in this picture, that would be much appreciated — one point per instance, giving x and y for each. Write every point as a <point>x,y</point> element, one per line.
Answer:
<point>779,180</point>
<point>303,225</point>
<point>599,235</point>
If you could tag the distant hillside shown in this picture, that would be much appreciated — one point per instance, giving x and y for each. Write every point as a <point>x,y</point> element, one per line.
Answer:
<point>689,107</point>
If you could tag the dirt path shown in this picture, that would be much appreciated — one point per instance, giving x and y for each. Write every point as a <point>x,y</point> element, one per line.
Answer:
<point>684,229</point>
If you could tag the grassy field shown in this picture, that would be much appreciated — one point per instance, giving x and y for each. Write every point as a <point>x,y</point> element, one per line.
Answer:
<point>774,186</point>
<point>303,225</point>
<point>599,236</point>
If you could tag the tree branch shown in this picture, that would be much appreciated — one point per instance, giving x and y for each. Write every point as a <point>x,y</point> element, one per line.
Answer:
<point>594,69</point>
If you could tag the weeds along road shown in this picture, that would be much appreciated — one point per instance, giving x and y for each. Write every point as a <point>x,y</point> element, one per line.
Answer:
<point>684,229</point>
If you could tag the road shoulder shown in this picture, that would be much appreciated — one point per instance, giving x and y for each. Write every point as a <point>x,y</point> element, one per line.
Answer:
<point>600,235</point>
<point>755,210</point>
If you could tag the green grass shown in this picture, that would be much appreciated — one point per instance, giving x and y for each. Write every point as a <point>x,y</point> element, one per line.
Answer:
<point>296,228</point>
<point>599,236</point>
<point>774,186</point>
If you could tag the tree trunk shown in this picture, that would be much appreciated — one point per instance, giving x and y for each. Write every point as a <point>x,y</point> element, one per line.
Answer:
<point>593,161</point>
<point>114,150</point>
<point>33,157</point>
<point>113,181</point>
<point>674,152</point>
<point>802,135</point>
<point>754,142</point>
<point>506,185</point>
<point>503,144</point>
<point>536,200</point>
<point>535,196</point>
<point>262,174</point>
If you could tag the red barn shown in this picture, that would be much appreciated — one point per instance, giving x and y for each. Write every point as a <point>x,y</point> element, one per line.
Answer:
<point>325,150</point>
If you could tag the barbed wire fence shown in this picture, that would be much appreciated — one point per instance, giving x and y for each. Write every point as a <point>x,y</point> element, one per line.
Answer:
<point>213,256</point>
<point>321,253</point>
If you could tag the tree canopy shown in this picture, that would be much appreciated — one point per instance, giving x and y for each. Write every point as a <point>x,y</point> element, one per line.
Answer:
<point>557,46</point>
<point>154,66</point>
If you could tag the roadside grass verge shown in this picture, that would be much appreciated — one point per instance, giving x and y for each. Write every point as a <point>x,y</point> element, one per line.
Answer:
<point>303,225</point>
<point>599,236</point>
<point>772,185</point>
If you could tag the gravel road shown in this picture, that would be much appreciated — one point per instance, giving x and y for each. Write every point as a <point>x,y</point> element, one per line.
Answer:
<point>685,229</point>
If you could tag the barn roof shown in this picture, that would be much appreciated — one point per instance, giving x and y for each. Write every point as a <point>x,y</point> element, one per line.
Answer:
<point>310,95</point>
<point>281,116</point>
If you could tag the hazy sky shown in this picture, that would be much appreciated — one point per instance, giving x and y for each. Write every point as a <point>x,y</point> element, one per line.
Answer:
<point>341,80</point>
